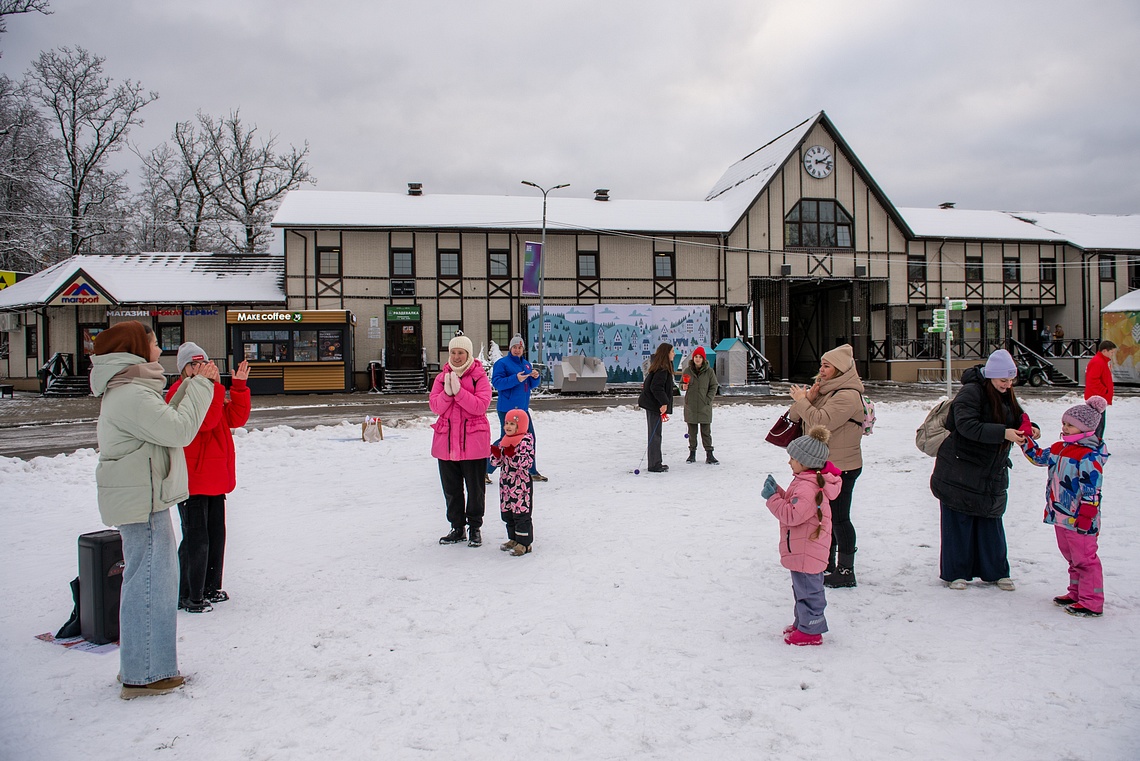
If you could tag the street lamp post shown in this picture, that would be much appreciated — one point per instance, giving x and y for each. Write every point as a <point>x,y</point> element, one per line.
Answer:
<point>542,273</point>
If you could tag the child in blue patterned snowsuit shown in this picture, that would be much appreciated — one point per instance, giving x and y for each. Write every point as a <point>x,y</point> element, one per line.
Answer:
<point>1072,502</point>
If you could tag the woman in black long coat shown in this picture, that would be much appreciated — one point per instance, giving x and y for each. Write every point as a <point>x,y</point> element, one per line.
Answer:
<point>657,400</point>
<point>971,475</point>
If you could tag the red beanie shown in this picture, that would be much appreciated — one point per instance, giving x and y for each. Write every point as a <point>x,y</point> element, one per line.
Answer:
<point>700,352</point>
<point>131,337</point>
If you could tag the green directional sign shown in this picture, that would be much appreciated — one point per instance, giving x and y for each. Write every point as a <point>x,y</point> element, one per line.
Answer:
<point>957,304</point>
<point>939,323</point>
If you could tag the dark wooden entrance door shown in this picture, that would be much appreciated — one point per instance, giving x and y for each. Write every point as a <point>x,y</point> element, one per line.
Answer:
<point>404,346</point>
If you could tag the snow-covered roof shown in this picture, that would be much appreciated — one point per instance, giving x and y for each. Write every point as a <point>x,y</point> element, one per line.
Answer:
<point>1129,302</point>
<point>1087,231</point>
<point>160,278</point>
<point>743,181</point>
<point>974,225</point>
<point>345,209</point>
<point>721,209</point>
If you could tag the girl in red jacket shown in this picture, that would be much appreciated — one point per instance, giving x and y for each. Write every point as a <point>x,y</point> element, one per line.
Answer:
<point>804,510</point>
<point>210,464</point>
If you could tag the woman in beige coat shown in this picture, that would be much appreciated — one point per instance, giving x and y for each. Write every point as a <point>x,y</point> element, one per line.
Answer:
<point>835,401</point>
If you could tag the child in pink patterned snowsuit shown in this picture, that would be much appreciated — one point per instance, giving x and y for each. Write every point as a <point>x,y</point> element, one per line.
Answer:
<point>514,454</point>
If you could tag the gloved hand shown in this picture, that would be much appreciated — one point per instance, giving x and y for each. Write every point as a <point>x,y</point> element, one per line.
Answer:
<point>1026,427</point>
<point>451,384</point>
<point>769,487</point>
<point>1085,516</point>
<point>496,451</point>
<point>509,451</point>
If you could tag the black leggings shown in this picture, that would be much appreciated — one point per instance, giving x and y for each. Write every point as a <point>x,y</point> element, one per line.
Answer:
<point>842,529</point>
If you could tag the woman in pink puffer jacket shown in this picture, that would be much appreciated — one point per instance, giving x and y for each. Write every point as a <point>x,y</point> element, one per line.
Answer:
<point>804,510</point>
<point>460,396</point>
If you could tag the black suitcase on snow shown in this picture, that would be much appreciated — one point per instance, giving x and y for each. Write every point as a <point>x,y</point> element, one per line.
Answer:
<point>100,582</point>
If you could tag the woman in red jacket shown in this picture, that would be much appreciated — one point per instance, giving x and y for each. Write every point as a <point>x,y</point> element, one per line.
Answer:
<point>210,464</point>
<point>1098,378</point>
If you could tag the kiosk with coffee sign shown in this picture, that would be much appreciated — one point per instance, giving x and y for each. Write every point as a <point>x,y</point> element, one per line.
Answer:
<point>301,352</point>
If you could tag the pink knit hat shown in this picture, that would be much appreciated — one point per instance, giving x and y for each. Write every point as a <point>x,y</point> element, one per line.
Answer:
<point>1086,416</point>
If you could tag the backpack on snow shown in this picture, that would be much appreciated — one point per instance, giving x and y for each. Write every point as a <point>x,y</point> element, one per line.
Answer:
<point>933,431</point>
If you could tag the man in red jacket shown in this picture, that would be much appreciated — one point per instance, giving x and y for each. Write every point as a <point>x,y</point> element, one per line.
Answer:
<point>1098,378</point>
<point>210,465</point>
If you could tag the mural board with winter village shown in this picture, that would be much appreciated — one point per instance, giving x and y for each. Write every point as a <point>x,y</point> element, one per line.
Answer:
<point>621,335</point>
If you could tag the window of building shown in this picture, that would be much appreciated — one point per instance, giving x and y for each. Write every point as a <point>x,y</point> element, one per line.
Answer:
<point>663,266</point>
<point>499,263</point>
<point>916,267</point>
<point>31,341</point>
<point>402,263</point>
<point>1048,271</point>
<point>821,223</point>
<point>169,337</point>
<point>1107,267</point>
<point>587,264</point>
<point>447,331</point>
<point>3,344</point>
<point>1011,270</point>
<point>449,264</point>
<point>501,334</point>
<point>974,269</point>
<point>328,262</point>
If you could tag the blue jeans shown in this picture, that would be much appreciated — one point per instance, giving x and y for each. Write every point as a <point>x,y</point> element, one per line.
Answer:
<point>502,433</point>
<point>148,609</point>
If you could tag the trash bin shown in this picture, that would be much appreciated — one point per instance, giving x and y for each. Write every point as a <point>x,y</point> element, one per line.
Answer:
<point>100,583</point>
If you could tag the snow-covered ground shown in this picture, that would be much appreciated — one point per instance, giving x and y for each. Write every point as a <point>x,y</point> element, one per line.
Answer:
<point>645,624</point>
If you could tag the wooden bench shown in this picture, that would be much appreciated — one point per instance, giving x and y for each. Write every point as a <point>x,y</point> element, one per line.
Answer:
<point>6,390</point>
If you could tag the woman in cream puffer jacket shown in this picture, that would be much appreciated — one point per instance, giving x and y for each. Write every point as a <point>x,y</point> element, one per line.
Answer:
<point>140,474</point>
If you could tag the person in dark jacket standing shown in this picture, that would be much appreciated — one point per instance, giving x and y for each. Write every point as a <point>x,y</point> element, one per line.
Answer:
<point>1098,378</point>
<point>700,386</point>
<point>657,400</point>
<point>514,378</point>
<point>212,471</point>
<point>971,474</point>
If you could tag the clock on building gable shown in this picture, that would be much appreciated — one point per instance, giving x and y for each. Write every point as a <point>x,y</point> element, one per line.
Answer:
<point>818,162</point>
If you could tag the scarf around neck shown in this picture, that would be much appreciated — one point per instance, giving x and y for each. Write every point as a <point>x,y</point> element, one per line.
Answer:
<point>461,369</point>
<point>147,371</point>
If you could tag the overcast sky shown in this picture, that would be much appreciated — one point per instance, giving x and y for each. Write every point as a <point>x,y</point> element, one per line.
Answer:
<point>992,104</point>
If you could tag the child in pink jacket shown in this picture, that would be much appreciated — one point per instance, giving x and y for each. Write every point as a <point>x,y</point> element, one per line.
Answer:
<point>804,510</point>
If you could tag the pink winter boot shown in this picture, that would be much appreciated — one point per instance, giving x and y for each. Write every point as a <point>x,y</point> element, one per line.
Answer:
<point>796,637</point>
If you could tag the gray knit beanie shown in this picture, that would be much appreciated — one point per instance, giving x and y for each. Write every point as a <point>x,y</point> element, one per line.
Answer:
<point>811,450</point>
<point>190,352</point>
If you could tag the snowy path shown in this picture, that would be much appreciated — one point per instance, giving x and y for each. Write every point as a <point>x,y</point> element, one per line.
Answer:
<point>645,624</point>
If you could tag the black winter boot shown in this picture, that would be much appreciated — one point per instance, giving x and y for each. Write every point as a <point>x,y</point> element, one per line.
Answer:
<point>710,460</point>
<point>844,574</point>
<point>455,536</point>
<point>692,456</point>
<point>476,539</point>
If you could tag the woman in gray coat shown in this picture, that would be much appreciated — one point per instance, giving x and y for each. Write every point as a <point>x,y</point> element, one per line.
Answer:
<point>700,386</point>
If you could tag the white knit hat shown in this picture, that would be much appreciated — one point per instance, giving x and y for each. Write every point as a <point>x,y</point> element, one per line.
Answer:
<point>461,341</point>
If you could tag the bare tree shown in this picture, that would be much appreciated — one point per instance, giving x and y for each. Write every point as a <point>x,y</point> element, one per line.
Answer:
<point>254,179</point>
<point>92,117</point>
<point>13,7</point>
<point>180,187</point>
<point>25,198</point>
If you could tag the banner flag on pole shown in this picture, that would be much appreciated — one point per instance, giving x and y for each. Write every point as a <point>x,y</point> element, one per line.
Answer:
<point>532,264</point>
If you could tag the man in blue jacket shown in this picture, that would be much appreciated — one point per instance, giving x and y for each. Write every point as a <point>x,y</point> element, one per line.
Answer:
<point>514,378</point>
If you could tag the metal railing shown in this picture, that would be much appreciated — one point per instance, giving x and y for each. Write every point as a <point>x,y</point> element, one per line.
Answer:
<point>60,365</point>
